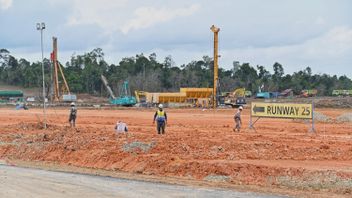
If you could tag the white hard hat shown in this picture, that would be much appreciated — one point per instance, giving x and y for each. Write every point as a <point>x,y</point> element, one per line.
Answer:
<point>160,106</point>
<point>240,108</point>
<point>72,104</point>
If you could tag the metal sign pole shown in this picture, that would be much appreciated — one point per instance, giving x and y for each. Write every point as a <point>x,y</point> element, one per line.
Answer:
<point>250,118</point>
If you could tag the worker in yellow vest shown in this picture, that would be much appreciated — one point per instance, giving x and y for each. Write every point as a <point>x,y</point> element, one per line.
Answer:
<point>161,119</point>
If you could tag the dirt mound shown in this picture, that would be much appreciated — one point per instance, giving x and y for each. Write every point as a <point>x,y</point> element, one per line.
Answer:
<point>86,98</point>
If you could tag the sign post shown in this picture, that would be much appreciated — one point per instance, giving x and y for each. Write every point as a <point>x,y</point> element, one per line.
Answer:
<point>313,109</point>
<point>281,110</point>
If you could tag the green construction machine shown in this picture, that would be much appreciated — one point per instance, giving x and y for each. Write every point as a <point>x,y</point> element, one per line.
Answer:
<point>11,95</point>
<point>125,98</point>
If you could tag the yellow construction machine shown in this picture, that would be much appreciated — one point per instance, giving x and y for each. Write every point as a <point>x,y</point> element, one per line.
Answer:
<point>236,98</point>
<point>141,96</point>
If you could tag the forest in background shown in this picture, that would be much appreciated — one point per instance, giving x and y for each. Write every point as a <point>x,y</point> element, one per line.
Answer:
<point>144,72</point>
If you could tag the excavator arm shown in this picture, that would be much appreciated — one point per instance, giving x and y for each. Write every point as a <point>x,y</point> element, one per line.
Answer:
<point>105,81</point>
<point>240,92</point>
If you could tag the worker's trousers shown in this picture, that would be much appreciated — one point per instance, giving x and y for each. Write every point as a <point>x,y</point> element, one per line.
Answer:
<point>72,120</point>
<point>160,127</point>
<point>237,124</point>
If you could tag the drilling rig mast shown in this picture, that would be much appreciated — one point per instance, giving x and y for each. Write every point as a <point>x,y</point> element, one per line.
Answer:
<point>57,68</point>
<point>216,56</point>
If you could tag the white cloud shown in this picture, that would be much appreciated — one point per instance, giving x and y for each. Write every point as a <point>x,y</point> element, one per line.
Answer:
<point>321,53</point>
<point>320,21</point>
<point>337,43</point>
<point>115,15</point>
<point>149,16</point>
<point>104,13</point>
<point>5,4</point>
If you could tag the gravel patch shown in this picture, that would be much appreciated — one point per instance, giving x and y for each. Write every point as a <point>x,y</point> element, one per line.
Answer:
<point>346,117</point>
<point>133,146</point>
<point>317,181</point>
<point>217,178</point>
<point>321,117</point>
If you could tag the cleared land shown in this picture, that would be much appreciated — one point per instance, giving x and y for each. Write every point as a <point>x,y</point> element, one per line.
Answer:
<point>199,145</point>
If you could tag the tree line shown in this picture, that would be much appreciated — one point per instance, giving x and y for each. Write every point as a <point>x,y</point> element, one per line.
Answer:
<point>143,72</point>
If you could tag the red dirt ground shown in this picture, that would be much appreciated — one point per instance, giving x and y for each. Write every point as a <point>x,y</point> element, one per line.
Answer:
<point>197,144</point>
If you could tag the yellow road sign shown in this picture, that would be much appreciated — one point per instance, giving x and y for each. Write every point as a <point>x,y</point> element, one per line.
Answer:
<point>282,110</point>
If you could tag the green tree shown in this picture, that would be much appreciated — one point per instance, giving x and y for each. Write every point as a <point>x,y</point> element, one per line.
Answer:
<point>247,76</point>
<point>277,76</point>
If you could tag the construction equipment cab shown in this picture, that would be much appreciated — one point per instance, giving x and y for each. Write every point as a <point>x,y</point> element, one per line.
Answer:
<point>236,98</point>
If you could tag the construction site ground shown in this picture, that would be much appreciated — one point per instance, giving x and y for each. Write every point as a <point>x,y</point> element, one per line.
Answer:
<point>25,182</point>
<point>281,156</point>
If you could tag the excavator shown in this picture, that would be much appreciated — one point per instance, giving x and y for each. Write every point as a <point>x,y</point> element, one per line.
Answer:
<point>237,97</point>
<point>125,98</point>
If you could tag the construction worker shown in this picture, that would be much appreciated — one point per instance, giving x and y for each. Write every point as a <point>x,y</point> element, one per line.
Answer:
<point>121,127</point>
<point>73,115</point>
<point>238,120</point>
<point>161,118</point>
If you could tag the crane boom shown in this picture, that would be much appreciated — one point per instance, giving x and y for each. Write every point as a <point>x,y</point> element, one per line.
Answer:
<point>105,81</point>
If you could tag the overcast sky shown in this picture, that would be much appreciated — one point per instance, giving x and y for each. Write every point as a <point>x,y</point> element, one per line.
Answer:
<point>295,33</point>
